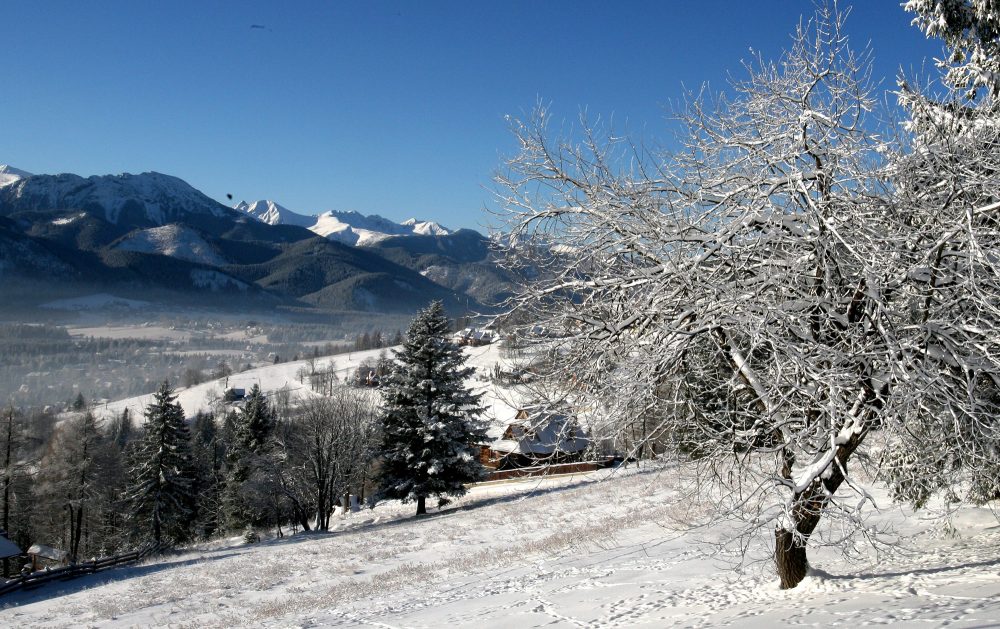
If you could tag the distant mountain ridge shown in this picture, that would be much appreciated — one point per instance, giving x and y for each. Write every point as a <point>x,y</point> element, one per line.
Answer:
<point>153,234</point>
<point>350,228</point>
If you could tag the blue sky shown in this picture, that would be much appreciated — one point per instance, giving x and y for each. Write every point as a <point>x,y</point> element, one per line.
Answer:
<point>394,108</point>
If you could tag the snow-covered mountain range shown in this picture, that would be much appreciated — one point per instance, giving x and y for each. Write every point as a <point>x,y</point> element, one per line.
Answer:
<point>273,214</point>
<point>351,228</point>
<point>136,232</point>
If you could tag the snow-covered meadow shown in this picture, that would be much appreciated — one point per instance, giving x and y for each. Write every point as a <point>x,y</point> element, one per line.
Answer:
<point>606,549</point>
<point>499,405</point>
<point>587,550</point>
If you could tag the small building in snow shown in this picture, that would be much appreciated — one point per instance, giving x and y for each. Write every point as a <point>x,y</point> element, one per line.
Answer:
<point>8,548</point>
<point>43,556</point>
<point>234,395</point>
<point>537,436</point>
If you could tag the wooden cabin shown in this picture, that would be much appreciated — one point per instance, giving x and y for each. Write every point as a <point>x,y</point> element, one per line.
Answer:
<point>537,436</point>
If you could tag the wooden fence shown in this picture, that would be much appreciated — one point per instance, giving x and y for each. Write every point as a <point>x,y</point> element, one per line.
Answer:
<point>35,579</point>
<point>546,470</point>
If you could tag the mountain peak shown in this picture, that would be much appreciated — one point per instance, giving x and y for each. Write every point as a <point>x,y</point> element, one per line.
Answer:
<point>346,226</point>
<point>9,174</point>
<point>269,212</point>
<point>426,228</point>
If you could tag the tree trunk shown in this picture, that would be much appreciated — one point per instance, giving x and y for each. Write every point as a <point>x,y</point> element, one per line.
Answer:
<point>77,534</point>
<point>789,558</point>
<point>421,505</point>
<point>6,484</point>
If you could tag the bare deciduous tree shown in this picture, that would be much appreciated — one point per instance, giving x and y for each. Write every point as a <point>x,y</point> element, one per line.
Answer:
<point>764,291</point>
<point>327,448</point>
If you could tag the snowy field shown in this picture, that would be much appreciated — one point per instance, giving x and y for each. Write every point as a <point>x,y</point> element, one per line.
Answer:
<point>600,549</point>
<point>271,378</point>
<point>593,550</point>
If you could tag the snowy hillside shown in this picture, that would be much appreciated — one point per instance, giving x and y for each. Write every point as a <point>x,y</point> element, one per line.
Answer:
<point>272,378</point>
<point>175,241</point>
<point>604,548</point>
<point>593,550</point>
<point>9,174</point>
<point>350,228</point>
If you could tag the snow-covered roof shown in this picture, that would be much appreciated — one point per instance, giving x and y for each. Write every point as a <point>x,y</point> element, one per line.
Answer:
<point>47,552</point>
<point>8,548</point>
<point>537,431</point>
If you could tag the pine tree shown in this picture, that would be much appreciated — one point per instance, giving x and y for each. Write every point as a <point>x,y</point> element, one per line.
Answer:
<point>429,419</point>
<point>248,459</point>
<point>206,449</point>
<point>162,477</point>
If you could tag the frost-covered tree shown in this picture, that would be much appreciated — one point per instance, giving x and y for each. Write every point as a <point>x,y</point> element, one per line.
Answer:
<point>949,176</point>
<point>68,484</point>
<point>159,496</point>
<point>15,516</point>
<point>430,417</point>
<point>763,291</point>
<point>327,448</point>
<point>971,31</point>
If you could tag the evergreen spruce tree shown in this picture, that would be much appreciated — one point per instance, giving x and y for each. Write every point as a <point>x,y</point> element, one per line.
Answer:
<point>160,492</point>
<point>248,459</point>
<point>429,419</point>
<point>206,448</point>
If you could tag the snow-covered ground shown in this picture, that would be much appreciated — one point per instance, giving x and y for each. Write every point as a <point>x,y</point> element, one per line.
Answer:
<point>271,378</point>
<point>176,241</point>
<point>591,550</point>
<point>600,549</point>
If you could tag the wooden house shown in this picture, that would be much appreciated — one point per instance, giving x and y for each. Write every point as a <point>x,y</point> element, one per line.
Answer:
<point>537,436</point>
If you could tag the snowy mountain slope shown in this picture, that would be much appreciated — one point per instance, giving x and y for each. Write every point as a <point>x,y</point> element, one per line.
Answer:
<point>602,549</point>
<point>596,550</point>
<point>132,230</point>
<point>26,256</point>
<point>9,174</point>
<point>273,214</point>
<point>175,241</point>
<point>462,261</point>
<point>146,199</point>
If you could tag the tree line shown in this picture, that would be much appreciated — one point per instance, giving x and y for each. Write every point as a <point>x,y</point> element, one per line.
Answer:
<point>94,488</point>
